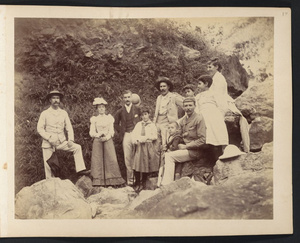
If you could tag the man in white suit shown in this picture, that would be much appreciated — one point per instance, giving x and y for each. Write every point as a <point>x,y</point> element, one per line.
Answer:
<point>51,126</point>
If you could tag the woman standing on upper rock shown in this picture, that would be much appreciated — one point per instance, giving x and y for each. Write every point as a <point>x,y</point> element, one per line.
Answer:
<point>104,165</point>
<point>219,86</point>
<point>225,102</point>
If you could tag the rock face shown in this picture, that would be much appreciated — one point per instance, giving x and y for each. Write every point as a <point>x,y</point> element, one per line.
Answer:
<point>260,96</point>
<point>261,132</point>
<point>111,202</point>
<point>243,189</point>
<point>84,184</point>
<point>236,76</point>
<point>249,162</point>
<point>52,199</point>
<point>189,53</point>
<point>248,196</point>
<point>257,105</point>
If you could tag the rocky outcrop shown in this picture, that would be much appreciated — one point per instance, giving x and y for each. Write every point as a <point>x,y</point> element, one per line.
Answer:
<point>84,184</point>
<point>188,52</point>
<point>257,106</point>
<point>111,202</point>
<point>261,132</point>
<point>248,196</point>
<point>52,199</point>
<point>260,95</point>
<point>242,189</point>
<point>250,162</point>
<point>236,76</point>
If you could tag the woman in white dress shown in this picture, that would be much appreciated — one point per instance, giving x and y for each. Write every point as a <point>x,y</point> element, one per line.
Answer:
<point>216,130</point>
<point>225,102</point>
<point>104,165</point>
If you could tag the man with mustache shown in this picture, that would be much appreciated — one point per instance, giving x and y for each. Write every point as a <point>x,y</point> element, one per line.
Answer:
<point>51,126</point>
<point>125,120</point>
<point>194,134</point>
<point>166,109</point>
<point>168,106</point>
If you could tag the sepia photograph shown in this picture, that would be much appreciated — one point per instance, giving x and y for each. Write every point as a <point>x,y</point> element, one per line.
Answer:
<point>145,118</point>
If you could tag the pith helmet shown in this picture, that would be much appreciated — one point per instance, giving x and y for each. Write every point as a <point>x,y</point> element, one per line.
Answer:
<point>231,151</point>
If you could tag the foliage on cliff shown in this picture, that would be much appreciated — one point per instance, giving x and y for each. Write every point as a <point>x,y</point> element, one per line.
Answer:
<point>86,58</point>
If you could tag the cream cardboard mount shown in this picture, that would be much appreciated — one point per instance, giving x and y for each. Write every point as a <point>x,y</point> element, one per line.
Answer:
<point>277,64</point>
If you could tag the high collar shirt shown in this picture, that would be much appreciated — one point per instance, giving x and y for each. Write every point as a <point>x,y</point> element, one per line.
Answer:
<point>51,126</point>
<point>128,107</point>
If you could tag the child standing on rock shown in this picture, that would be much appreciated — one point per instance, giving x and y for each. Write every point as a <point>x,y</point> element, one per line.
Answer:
<point>145,158</point>
<point>173,140</point>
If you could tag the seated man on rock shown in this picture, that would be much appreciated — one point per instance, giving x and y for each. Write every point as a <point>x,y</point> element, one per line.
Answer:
<point>193,131</point>
<point>51,126</point>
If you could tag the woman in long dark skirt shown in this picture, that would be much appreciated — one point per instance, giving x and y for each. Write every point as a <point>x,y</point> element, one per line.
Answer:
<point>104,165</point>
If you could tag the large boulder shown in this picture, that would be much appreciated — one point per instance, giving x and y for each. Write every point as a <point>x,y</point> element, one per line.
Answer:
<point>250,162</point>
<point>247,196</point>
<point>52,199</point>
<point>111,202</point>
<point>261,132</point>
<point>257,105</point>
<point>85,185</point>
<point>259,95</point>
<point>236,76</point>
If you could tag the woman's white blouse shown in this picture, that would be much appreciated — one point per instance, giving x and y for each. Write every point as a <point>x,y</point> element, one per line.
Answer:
<point>102,124</point>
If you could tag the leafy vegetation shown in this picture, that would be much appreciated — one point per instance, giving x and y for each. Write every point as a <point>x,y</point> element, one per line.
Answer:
<point>86,58</point>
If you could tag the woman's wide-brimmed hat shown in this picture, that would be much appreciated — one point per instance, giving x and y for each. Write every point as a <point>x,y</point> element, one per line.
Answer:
<point>165,80</point>
<point>231,151</point>
<point>99,101</point>
<point>54,92</point>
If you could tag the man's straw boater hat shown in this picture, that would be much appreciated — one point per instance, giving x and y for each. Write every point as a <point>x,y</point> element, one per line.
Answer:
<point>99,101</point>
<point>54,92</point>
<point>165,80</point>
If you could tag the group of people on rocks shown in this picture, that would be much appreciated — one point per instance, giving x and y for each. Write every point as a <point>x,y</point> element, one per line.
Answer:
<point>182,129</point>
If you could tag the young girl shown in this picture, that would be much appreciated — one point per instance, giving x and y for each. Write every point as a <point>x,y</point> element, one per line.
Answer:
<point>146,157</point>
<point>104,165</point>
<point>216,130</point>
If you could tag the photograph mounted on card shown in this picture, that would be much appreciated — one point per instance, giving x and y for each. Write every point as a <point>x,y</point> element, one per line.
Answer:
<point>165,116</point>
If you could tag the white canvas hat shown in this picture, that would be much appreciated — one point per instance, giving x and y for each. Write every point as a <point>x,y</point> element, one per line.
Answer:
<point>231,151</point>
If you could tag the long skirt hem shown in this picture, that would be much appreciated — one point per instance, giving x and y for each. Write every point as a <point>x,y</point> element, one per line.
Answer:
<point>104,165</point>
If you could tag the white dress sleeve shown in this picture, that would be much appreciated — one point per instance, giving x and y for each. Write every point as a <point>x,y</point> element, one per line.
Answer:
<point>93,131</point>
